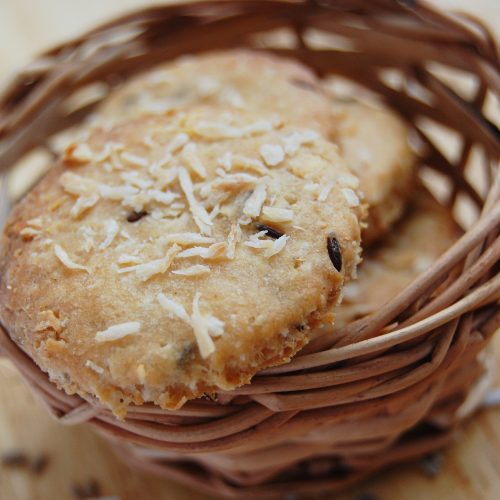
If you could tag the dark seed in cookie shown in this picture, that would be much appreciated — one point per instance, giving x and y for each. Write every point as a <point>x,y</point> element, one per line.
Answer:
<point>334,251</point>
<point>15,458</point>
<point>270,231</point>
<point>90,489</point>
<point>135,216</point>
<point>39,464</point>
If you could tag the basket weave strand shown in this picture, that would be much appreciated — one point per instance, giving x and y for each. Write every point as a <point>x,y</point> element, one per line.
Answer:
<point>386,388</point>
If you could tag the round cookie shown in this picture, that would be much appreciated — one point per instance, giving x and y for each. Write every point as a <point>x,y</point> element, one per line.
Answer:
<point>173,256</point>
<point>374,143</point>
<point>236,80</point>
<point>414,244</point>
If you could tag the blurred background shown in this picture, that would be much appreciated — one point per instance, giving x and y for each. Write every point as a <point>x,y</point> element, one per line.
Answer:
<point>42,460</point>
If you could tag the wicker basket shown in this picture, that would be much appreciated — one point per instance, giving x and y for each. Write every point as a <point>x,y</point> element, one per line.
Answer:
<point>385,388</point>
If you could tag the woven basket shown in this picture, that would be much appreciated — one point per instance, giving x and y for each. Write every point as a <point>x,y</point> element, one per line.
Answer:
<point>388,387</point>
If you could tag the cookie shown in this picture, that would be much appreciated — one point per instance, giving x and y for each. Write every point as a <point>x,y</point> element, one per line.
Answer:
<point>414,244</point>
<point>236,80</point>
<point>374,143</point>
<point>173,256</point>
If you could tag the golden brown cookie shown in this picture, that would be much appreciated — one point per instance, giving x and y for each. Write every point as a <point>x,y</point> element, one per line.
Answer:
<point>374,143</point>
<point>173,256</point>
<point>236,80</point>
<point>413,245</point>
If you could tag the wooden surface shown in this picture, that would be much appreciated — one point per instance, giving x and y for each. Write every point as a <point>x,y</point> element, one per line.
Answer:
<point>470,468</point>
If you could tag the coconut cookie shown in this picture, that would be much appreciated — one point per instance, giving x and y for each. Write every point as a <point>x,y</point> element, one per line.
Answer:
<point>414,244</point>
<point>374,143</point>
<point>177,255</point>
<point>235,80</point>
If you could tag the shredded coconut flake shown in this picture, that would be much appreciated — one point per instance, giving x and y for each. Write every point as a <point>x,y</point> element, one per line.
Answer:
<point>135,160</point>
<point>292,142</point>
<point>323,194</point>
<point>277,247</point>
<point>275,214</point>
<point>226,160</point>
<point>116,193</point>
<point>273,154</point>
<point>117,332</point>
<point>77,185</point>
<point>82,204</point>
<point>234,237</point>
<point>173,308</point>
<point>111,228</point>
<point>254,203</point>
<point>128,259</point>
<point>196,270</point>
<point>177,142</point>
<point>200,327</point>
<point>351,197</point>
<point>214,131</point>
<point>212,252</point>
<point>231,96</point>
<point>96,368</point>
<point>189,239</point>
<point>166,198</point>
<point>199,213</point>
<point>159,266</point>
<point>192,160</point>
<point>66,261</point>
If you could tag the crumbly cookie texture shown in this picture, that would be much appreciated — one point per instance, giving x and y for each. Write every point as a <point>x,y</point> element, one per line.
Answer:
<point>236,80</point>
<point>374,143</point>
<point>414,244</point>
<point>176,255</point>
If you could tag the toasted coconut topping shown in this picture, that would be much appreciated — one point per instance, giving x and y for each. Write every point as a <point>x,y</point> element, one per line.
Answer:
<point>351,197</point>
<point>132,159</point>
<point>173,308</point>
<point>231,96</point>
<point>277,247</point>
<point>231,182</point>
<point>199,213</point>
<point>159,266</point>
<point>111,227</point>
<point>78,154</point>
<point>117,332</point>
<point>292,142</point>
<point>234,237</point>
<point>196,270</point>
<point>77,185</point>
<point>273,154</point>
<point>141,373</point>
<point>188,239</point>
<point>311,187</point>
<point>200,327</point>
<point>177,142</point>
<point>133,178</point>
<point>82,204</point>
<point>348,180</point>
<point>128,259</point>
<point>254,203</point>
<point>255,241</point>
<point>226,160</point>
<point>116,193</point>
<point>275,214</point>
<point>192,160</point>
<point>245,162</point>
<point>325,191</point>
<point>37,223</point>
<point>212,252</point>
<point>214,131</point>
<point>96,368</point>
<point>66,261</point>
<point>166,198</point>
<point>204,326</point>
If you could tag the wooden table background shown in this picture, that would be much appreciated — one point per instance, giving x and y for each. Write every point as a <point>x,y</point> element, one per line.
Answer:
<point>470,468</point>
